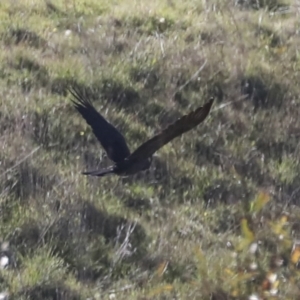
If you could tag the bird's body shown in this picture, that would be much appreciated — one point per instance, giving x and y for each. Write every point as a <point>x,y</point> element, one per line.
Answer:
<point>114,143</point>
<point>123,168</point>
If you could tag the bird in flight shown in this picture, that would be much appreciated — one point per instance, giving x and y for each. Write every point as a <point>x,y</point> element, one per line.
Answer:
<point>114,143</point>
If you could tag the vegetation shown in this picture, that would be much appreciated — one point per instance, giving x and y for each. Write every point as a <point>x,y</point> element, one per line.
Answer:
<point>217,215</point>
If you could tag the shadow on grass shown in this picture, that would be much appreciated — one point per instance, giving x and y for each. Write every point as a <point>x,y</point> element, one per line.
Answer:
<point>263,92</point>
<point>86,236</point>
<point>272,5</point>
<point>93,243</point>
<point>25,36</point>
<point>26,72</point>
<point>208,154</point>
<point>110,226</point>
<point>53,9</point>
<point>273,149</point>
<point>26,237</point>
<point>224,191</point>
<point>50,291</point>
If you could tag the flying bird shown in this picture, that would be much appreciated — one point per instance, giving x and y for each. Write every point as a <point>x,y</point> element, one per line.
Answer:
<point>114,143</point>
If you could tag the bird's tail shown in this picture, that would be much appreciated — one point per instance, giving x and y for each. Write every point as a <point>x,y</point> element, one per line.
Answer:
<point>100,173</point>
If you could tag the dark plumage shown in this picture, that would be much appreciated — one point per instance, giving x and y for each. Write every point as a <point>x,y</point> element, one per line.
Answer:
<point>114,143</point>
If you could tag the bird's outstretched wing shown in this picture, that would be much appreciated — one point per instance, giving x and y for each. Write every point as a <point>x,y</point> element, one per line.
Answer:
<point>110,138</point>
<point>180,126</point>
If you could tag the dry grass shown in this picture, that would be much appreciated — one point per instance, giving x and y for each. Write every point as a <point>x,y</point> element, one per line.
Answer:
<point>217,216</point>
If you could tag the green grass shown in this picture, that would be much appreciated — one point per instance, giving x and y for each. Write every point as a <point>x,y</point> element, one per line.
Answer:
<point>189,227</point>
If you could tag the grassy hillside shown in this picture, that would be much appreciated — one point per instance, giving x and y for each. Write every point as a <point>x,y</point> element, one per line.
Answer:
<point>216,216</point>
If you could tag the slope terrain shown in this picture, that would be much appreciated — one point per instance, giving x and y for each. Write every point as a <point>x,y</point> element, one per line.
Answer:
<point>216,216</point>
